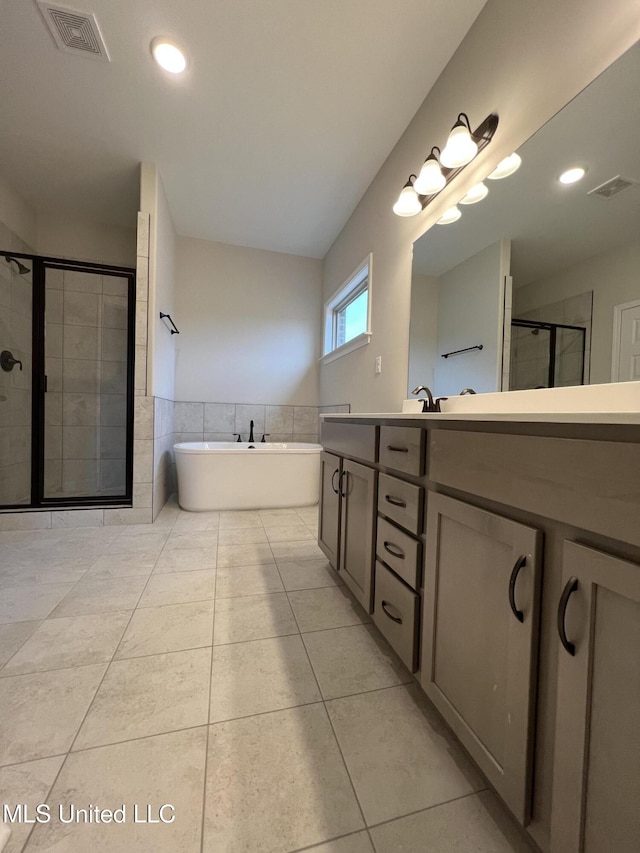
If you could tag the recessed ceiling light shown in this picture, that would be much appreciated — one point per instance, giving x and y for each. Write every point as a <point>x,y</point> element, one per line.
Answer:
<point>572,175</point>
<point>168,55</point>
<point>506,167</point>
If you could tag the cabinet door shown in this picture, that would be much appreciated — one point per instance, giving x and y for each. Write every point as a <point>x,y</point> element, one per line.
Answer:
<point>329,510</point>
<point>596,772</point>
<point>479,637</point>
<point>358,493</point>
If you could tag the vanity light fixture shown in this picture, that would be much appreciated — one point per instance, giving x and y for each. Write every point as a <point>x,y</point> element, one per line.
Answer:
<point>408,203</point>
<point>168,55</point>
<point>460,148</point>
<point>570,176</point>
<point>475,194</point>
<point>430,180</point>
<point>449,216</point>
<point>506,167</point>
<point>440,168</point>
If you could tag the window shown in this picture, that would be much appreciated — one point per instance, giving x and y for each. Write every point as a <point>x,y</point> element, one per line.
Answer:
<point>347,315</point>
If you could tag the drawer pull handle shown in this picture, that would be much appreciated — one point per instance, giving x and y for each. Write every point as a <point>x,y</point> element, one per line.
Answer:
<point>520,562</point>
<point>399,554</point>
<point>570,587</point>
<point>397,449</point>
<point>333,477</point>
<point>397,619</point>
<point>395,501</point>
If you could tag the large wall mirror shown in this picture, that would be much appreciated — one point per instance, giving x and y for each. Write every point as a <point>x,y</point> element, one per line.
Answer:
<point>554,268</point>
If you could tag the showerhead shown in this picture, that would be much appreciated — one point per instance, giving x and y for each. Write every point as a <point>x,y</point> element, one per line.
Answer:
<point>22,270</point>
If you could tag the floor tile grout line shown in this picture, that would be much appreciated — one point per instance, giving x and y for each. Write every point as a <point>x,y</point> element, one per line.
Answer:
<point>317,844</point>
<point>327,716</point>
<point>206,744</point>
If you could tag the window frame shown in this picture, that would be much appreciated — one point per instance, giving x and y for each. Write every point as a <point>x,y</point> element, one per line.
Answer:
<point>355,285</point>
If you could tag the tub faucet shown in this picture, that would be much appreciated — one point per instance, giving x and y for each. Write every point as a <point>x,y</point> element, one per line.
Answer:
<point>251,438</point>
<point>467,391</point>
<point>427,404</point>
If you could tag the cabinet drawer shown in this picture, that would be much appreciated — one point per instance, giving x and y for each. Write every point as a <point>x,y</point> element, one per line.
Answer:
<point>403,448</point>
<point>400,552</point>
<point>396,615</point>
<point>357,440</point>
<point>402,502</point>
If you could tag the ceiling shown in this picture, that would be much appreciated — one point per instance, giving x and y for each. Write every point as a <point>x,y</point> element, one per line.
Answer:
<point>283,118</point>
<point>553,227</point>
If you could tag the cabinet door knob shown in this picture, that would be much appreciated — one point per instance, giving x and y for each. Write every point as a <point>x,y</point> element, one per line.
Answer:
<point>515,571</point>
<point>570,587</point>
<point>387,604</point>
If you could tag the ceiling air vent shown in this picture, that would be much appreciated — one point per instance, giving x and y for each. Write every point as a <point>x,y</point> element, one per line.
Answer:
<point>74,32</point>
<point>613,186</point>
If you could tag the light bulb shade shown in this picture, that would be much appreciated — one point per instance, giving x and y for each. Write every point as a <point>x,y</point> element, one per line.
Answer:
<point>506,167</point>
<point>475,194</point>
<point>430,180</point>
<point>408,203</point>
<point>460,148</point>
<point>449,216</point>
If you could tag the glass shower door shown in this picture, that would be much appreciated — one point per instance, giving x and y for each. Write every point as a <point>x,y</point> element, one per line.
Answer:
<point>16,335</point>
<point>86,362</point>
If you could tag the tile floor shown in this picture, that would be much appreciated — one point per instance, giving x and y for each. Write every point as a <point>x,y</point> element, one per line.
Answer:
<point>214,663</point>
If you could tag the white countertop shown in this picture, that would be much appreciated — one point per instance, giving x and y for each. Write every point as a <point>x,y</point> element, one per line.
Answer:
<point>611,403</point>
<point>513,417</point>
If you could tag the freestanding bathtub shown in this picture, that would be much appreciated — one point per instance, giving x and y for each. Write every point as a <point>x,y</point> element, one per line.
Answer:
<point>238,475</point>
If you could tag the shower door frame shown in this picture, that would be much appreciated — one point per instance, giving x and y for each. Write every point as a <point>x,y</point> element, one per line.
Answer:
<point>552,328</point>
<point>40,263</point>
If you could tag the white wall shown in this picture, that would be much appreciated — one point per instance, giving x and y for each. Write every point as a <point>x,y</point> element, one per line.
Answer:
<point>424,331</point>
<point>613,278</point>
<point>80,240</point>
<point>521,60</point>
<point>477,284</point>
<point>162,242</point>
<point>18,217</point>
<point>249,325</point>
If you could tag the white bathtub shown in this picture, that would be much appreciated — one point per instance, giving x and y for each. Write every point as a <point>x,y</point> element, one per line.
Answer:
<point>238,475</point>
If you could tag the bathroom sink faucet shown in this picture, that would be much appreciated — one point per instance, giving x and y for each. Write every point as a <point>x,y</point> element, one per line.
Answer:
<point>251,438</point>
<point>428,404</point>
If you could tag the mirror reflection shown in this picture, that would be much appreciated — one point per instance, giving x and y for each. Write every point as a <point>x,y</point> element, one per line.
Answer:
<point>553,266</point>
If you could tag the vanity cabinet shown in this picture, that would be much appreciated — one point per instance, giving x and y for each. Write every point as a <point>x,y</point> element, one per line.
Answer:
<point>531,548</point>
<point>329,510</point>
<point>480,621</point>
<point>347,512</point>
<point>596,771</point>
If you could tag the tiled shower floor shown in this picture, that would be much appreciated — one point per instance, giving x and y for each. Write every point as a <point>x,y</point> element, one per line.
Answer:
<point>212,662</point>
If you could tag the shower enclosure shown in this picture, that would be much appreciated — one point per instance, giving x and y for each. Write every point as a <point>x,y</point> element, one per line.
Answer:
<point>66,382</point>
<point>546,355</point>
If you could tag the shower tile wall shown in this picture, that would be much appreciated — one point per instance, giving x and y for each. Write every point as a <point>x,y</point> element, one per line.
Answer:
<point>86,366</point>
<point>15,387</point>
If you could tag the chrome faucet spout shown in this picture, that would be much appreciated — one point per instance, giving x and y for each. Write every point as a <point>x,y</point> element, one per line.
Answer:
<point>427,404</point>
